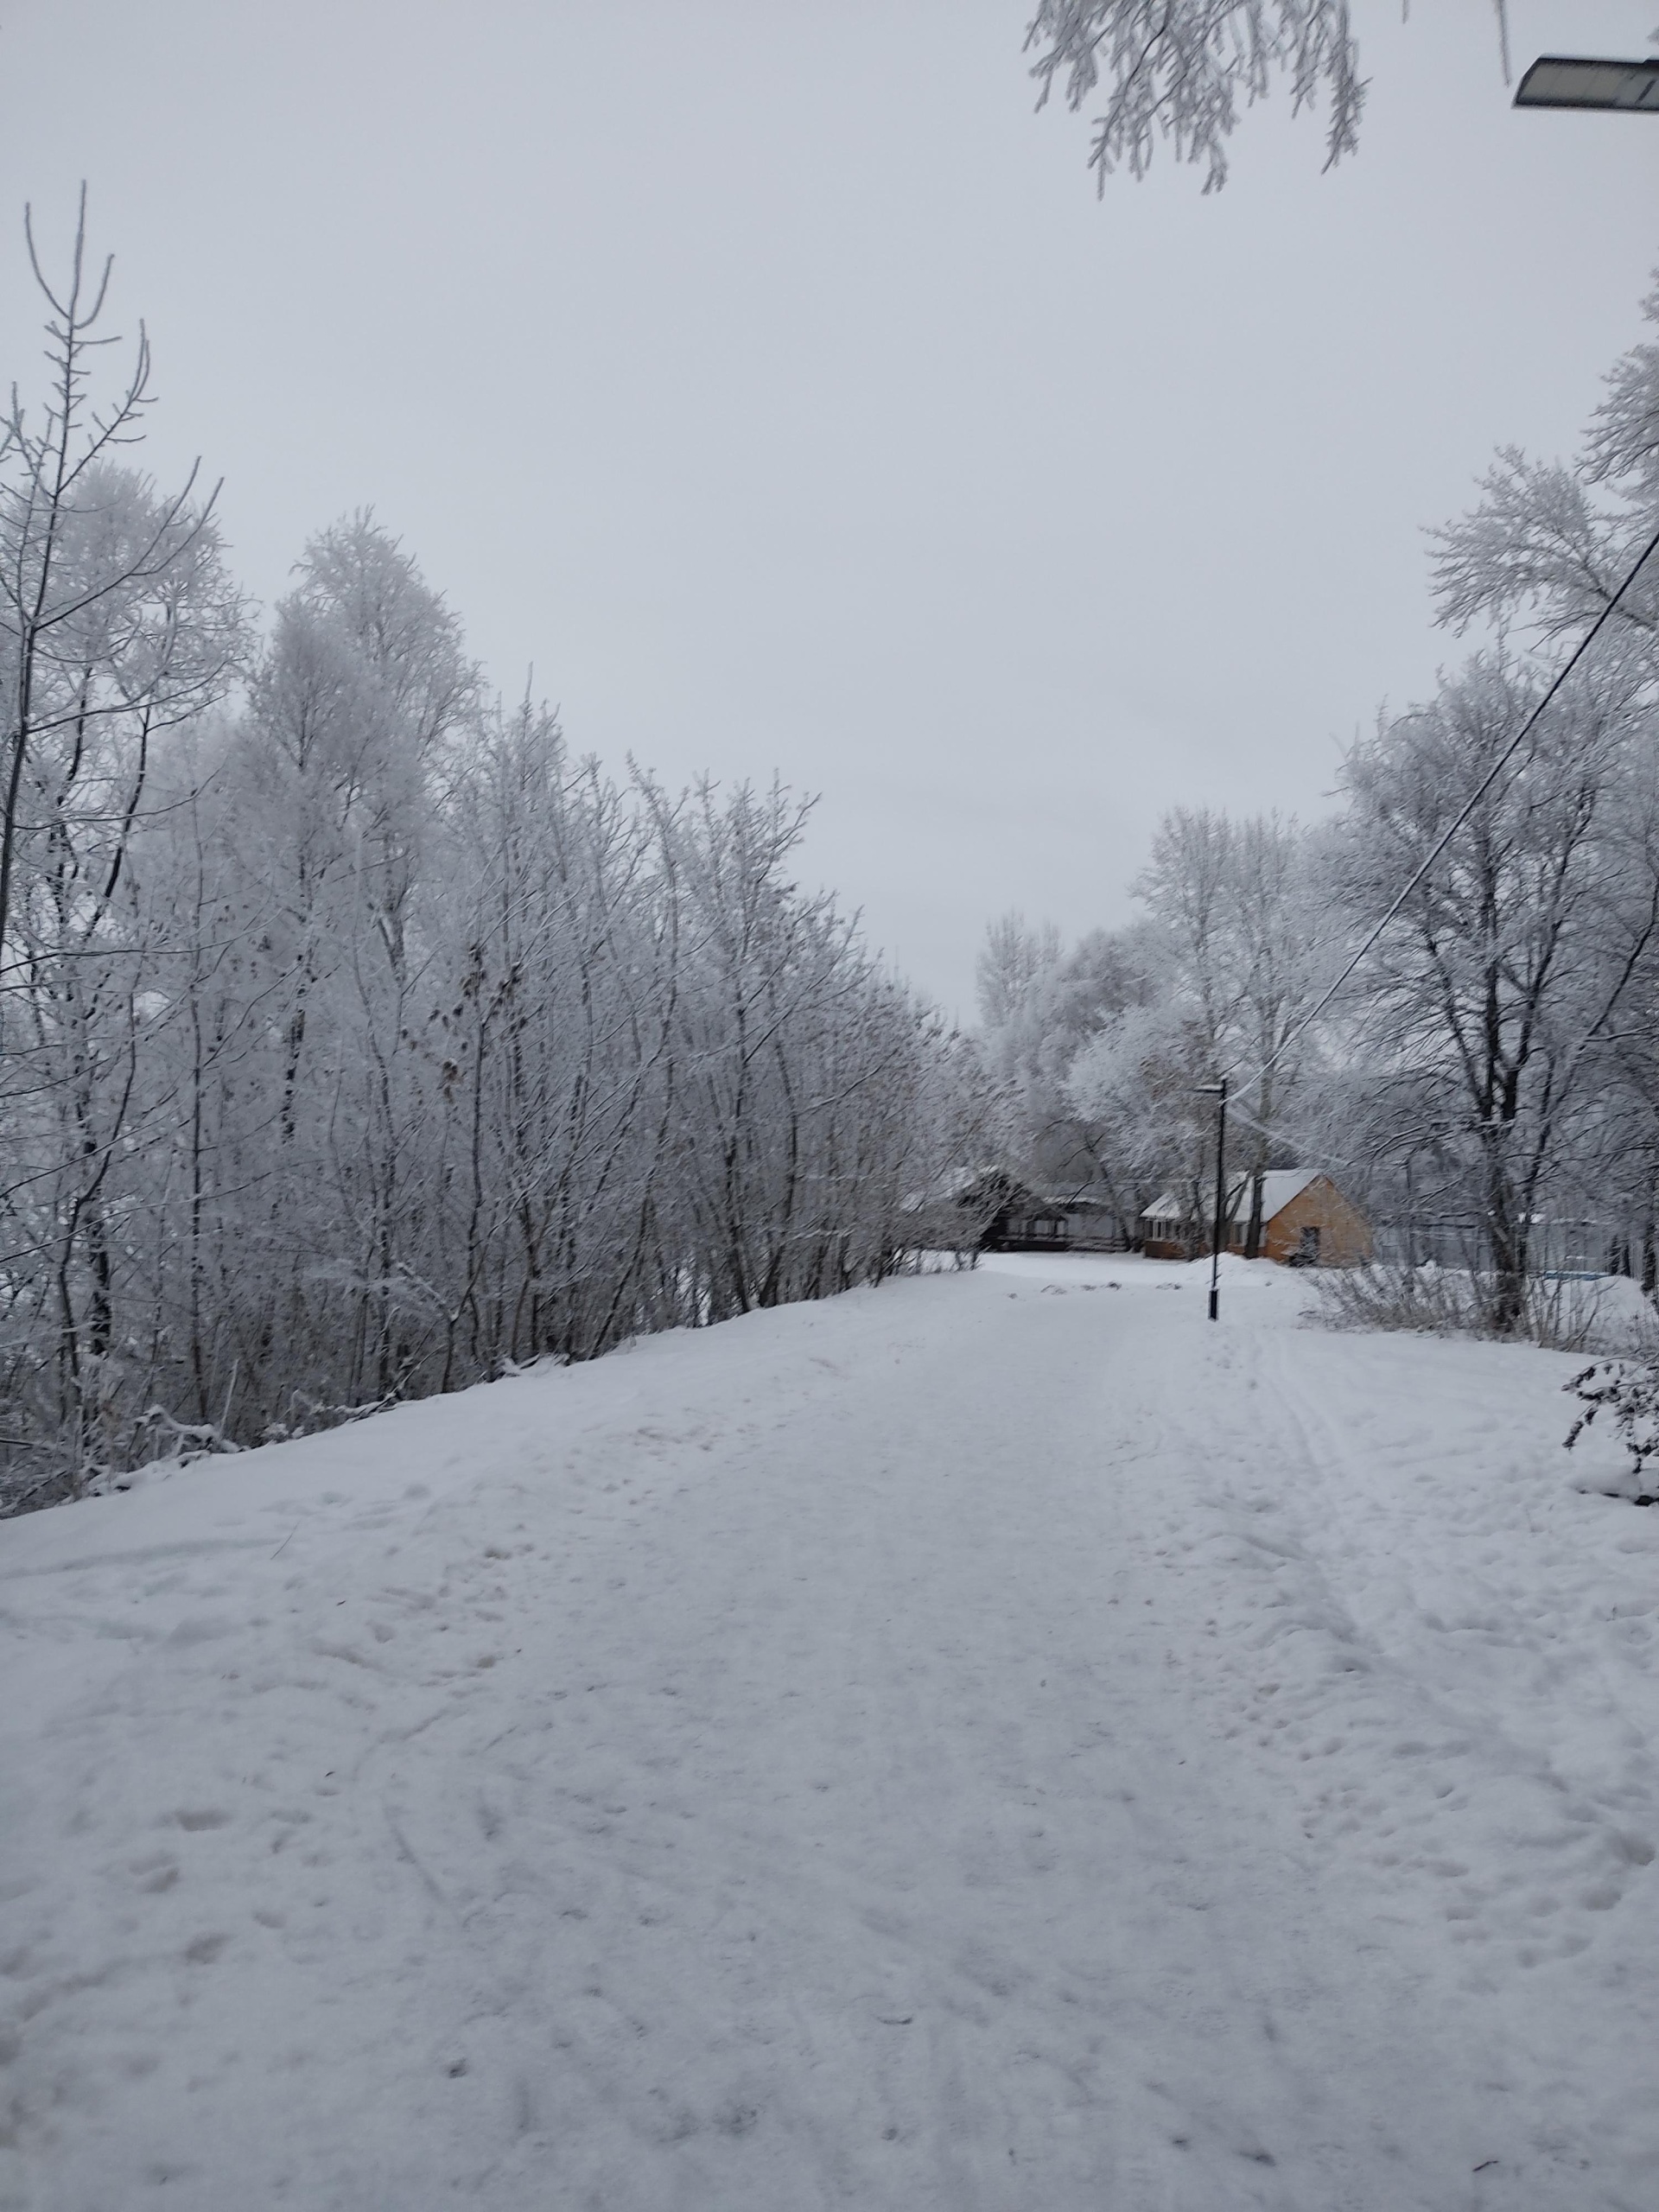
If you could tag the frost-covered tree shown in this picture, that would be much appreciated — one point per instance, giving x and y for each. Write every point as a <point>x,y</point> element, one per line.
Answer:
<point>358,1040</point>
<point>1490,1066</point>
<point>1132,1085</point>
<point>118,627</point>
<point>1014,965</point>
<point>1183,70</point>
<point>1533,936</point>
<point>1040,1006</point>
<point>1485,1013</point>
<point>1548,545</point>
<point>1236,920</point>
<point>1099,1051</point>
<point>95,569</point>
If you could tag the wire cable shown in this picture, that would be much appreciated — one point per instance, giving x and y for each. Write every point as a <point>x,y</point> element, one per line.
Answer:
<point>1458,820</point>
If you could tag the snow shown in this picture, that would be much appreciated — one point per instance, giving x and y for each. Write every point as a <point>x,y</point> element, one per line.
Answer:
<point>992,1742</point>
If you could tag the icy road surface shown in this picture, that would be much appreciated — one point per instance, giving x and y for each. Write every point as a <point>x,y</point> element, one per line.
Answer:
<point>994,1743</point>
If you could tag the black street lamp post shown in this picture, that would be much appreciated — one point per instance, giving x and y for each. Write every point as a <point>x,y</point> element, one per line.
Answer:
<point>1218,1092</point>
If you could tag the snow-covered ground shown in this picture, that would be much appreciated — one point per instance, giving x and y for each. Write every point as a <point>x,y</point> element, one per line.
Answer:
<point>995,1742</point>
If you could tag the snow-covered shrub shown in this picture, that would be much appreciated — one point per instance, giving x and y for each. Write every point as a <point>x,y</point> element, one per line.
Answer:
<point>1433,1301</point>
<point>1627,1390</point>
<point>1564,1314</point>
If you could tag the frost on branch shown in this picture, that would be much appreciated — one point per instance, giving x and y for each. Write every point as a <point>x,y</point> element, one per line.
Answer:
<point>1180,69</point>
<point>1622,446</point>
<point>1547,544</point>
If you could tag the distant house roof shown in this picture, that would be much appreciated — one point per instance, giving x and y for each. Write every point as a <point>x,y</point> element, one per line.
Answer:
<point>1279,1187</point>
<point>998,1186</point>
<point>1002,1186</point>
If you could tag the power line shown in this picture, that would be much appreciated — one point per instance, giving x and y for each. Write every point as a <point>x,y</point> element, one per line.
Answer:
<point>1305,1151</point>
<point>1458,820</point>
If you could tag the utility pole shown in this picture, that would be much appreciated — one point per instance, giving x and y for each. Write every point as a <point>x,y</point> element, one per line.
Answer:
<point>1218,1092</point>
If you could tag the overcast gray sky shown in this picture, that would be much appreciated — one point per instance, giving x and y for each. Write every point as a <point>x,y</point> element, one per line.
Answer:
<point>769,377</point>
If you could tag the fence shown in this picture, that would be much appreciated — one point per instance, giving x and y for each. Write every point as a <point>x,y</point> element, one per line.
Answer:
<point>1559,1245</point>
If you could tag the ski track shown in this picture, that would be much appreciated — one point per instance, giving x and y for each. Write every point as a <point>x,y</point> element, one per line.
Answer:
<point>995,1742</point>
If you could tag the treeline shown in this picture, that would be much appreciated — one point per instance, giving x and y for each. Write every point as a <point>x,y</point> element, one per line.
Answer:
<point>1487,1082</point>
<point>356,1040</point>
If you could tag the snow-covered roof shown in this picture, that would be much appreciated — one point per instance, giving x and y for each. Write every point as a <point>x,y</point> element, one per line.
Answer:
<point>1279,1187</point>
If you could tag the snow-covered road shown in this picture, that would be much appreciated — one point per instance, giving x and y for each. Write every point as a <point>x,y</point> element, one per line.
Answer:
<point>995,1742</point>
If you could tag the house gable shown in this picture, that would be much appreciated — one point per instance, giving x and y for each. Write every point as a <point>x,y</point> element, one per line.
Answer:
<point>1305,1221</point>
<point>1317,1227</point>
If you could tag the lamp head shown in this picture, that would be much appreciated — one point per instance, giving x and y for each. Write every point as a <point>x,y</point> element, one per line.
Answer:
<point>1577,81</point>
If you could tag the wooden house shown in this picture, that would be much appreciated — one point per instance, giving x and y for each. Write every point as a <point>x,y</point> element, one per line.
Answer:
<point>1008,1215</point>
<point>1305,1222</point>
